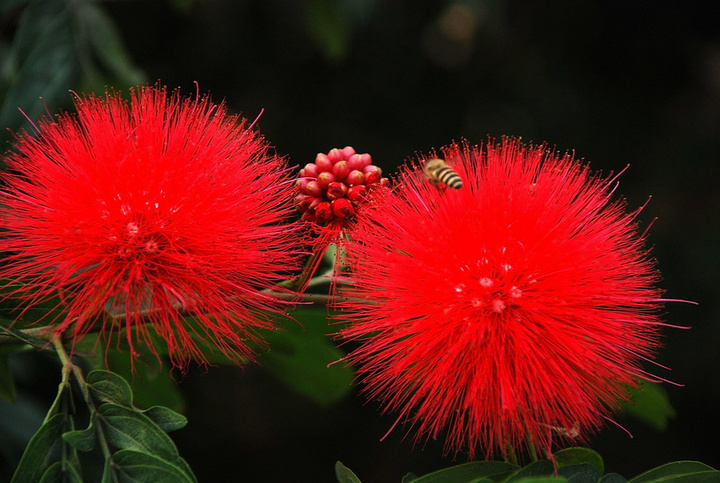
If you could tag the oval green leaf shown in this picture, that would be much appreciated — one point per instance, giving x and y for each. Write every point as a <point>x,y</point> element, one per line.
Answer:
<point>40,453</point>
<point>538,468</point>
<point>684,471</point>
<point>613,478</point>
<point>649,403</point>
<point>167,419</point>
<point>137,467</point>
<point>56,473</point>
<point>345,474</point>
<point>538,479</point>
<point>127,428</point>
<point>583,473</point>
<point>579,456</point>
<point>110,387</point>
<point>301,355</point>
<point>82,440</point>
<point>468,472</point>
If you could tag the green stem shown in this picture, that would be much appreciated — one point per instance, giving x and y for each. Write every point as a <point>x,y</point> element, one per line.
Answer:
<point>75,370</point>
<point>510,456</point>
<point>533,451</point>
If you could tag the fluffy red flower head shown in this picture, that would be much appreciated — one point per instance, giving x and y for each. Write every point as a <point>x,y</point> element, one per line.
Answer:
<point>158,214</point>
<point>516,309</point>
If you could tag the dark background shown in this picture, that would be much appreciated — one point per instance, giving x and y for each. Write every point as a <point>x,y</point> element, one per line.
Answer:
<point>618,82</point>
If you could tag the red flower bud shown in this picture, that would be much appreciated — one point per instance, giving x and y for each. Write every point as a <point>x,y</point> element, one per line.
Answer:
<point>355,162</point>
<point>341,170</point>
<point>313,188</point>
<point>373,174</point>
<point>366,159</point>
<point>310,171</point>
<point>322,162</point>
<point>335,155</point>
<point>348,151</point>
<point>355,177</point>
<point>301,184</point>
<point>325,178</point>
<point>303,201</point>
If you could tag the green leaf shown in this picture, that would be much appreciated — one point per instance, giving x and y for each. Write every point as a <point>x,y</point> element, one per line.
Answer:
<point>127,428</point>
<point>138,467</point>
<point>613,478</point>
<point>301,355</point>
<point>579,456</point>
<point>538,468</point>
<point>57,472</point>
<point>650,404</point>
<point>41,452</point>
<point>167,419</point>
<point>469,472</point>
<point>84,439</point>
<point>7,6</point>
<point>685,471</point>
<point>329,28</point>
<point>345,474</point>
<point>45,64</point>
<point>37,342</point>
<point>151,381</point>
<point>539,479</point>
<point>110,387</point>
<point>102,36</point>
<point>583,473</point>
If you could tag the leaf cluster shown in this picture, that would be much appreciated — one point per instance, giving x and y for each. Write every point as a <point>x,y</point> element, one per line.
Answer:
<point>574,465</point>
<point>131,444</point>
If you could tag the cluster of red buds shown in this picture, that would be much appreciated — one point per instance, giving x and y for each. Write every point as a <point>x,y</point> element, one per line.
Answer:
<point>335,185</point>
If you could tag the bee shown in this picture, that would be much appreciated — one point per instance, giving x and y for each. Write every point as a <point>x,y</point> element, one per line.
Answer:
<point>440,174</point>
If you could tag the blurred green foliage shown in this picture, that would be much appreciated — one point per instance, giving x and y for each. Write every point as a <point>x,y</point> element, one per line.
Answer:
<point>57,46</point>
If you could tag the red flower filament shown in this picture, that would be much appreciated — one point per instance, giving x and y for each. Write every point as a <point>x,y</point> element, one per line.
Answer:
<point>154,210</point>
<point>514,310</point>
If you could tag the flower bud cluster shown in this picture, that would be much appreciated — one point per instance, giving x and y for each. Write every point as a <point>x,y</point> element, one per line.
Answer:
<point>335,185</point>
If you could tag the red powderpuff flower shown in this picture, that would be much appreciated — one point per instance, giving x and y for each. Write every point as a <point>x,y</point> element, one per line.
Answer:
<point>515,310</point>
<point>160,210</point>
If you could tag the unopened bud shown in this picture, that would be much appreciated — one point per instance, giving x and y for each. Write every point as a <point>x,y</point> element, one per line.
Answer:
<point>309,171</point>
<point>348,151</point>
<point>325,178</point>
<point>355,162</point>
<point>373,174</point>
<point>366,159</point>
<point>323,163</point>
<point>341,170</point>
<point>335,155</point>
<point>313,188</point>
<point>355,177</point>
<point>303,201</point>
